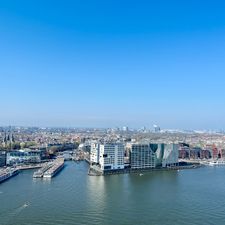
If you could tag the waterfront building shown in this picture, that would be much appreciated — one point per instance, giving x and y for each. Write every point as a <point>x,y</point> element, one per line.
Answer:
<point>215,152</point>
<point>158,149</point>
<point>184,152</point>
<point>166,154</point>
<point>205,154</point>
<point>2,158</point>
<point>24,156</point>
<point>142,156</point>
<point>223,153</point>
<point>170,155</point>
<point>111,156</point>
<point>153,155</point>
<point>94,154</point>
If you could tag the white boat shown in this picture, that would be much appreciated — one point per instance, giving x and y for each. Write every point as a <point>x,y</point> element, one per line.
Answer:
<point>26,204</point>
<point>217,163</point>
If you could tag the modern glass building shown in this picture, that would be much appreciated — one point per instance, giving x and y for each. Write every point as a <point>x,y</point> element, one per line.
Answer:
<point>170,155</point>
<point>24,156</point>
<point>142,156</point>
<point>151,155</point>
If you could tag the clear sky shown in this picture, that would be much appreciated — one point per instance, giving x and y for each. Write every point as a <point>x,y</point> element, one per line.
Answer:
<point>111,63</point>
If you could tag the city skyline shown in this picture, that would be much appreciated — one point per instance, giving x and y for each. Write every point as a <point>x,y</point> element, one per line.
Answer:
<point>110,64</point>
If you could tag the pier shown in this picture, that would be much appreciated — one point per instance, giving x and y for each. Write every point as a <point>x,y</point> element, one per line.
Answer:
<point>40,172</point>
<point>29,167</point>
<point>57,166</point>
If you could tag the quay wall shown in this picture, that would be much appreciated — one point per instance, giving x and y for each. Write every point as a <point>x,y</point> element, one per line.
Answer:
<point>96,171</point>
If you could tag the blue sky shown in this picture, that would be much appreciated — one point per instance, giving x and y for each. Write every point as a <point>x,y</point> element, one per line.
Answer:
<point>112,63</point>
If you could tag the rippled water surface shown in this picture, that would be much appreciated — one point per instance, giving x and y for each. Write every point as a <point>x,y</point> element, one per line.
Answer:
<point>158,198</point>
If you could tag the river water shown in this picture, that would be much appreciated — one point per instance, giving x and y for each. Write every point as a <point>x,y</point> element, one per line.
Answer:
<point>195,196</point>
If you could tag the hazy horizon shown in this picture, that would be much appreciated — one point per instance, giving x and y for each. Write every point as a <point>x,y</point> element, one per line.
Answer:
<point>112,64</point>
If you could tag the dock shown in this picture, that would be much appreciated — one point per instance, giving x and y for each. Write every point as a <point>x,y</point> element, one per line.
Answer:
<point>42,170</point>
<point>29,167</point>
<point>57,166</point>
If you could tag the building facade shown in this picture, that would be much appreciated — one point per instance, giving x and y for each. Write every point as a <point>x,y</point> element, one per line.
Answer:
<point>23,156</point>
<point>142,156</point>
<point>170,156</point>
<point>111,156</point>
<point>2,158</point>
<point>94,153</point>
<point>153,155</point>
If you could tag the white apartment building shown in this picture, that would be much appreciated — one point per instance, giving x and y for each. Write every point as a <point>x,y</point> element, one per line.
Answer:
<point>111,156</point>
<point>95,150</point>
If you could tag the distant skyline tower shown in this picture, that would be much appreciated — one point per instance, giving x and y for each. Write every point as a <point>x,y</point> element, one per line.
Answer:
<point>156,128</point>
<point>125,128</point>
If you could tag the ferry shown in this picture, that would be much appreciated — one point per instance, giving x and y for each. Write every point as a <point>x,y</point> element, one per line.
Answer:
<point>7,173</point>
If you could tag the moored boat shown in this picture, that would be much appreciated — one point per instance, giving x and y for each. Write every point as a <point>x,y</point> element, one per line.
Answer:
<point>217,163</point>
<point>7,173</point>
